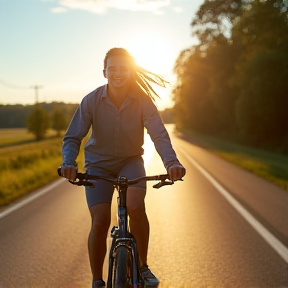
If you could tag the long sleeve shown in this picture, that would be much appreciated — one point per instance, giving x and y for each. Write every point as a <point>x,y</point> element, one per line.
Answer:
<point>77,130</point>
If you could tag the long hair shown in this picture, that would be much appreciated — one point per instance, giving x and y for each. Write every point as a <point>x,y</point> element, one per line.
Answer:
<point>141,76</point>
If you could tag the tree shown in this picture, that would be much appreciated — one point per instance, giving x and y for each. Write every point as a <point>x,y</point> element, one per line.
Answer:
<point>215,18</point>
<point>14,116</point>
<point>192,108</point>
<point>205,94</point>
<point>234,82</point>
<point>261,75</point>
<point>59,122</point>
<point>38,122</point>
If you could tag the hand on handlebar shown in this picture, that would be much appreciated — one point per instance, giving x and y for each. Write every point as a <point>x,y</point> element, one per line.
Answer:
<point>176,172</point>
<point>82,179</point>
<point>69,172</point>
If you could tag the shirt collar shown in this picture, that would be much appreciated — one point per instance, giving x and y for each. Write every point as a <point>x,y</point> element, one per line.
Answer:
<point>132,93</point>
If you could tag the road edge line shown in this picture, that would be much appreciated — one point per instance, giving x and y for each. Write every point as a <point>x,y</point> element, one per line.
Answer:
<point>276,244</point>
<point>41,192</point>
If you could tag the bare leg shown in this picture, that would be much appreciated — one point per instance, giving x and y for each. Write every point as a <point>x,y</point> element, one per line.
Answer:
<point>101,217</point>
<point>139,223</point>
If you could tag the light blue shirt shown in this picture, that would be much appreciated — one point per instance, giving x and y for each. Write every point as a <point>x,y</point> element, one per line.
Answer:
<point>116,133</point>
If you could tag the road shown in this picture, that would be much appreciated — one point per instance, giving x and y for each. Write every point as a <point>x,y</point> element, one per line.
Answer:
<point>199,238</point>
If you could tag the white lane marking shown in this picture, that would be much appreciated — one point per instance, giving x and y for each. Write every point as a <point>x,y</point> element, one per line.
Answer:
<point>41,192</point>
<point>278,246</point>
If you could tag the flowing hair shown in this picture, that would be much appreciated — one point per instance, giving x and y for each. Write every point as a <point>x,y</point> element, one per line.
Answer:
<point>141,76</point>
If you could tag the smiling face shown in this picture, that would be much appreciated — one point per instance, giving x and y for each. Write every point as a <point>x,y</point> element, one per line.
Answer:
<point>118,72</point>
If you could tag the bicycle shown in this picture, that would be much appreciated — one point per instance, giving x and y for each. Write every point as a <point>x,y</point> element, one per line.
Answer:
<point>123,261</point>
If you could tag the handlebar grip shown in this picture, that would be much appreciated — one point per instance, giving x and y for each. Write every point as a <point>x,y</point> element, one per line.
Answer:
<point>79,175</point>
<point>80,179</point>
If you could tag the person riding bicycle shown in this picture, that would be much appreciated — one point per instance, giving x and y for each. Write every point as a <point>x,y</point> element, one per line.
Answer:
<point>117,114</point>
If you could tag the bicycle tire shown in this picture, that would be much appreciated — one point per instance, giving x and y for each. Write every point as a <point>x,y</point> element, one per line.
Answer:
<point>121,268</point>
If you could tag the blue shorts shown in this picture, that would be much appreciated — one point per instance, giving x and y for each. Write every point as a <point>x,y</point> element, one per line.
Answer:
<point>131,168</point>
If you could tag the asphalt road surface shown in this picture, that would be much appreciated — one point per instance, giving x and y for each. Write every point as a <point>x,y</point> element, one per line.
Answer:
<point>220,227</point>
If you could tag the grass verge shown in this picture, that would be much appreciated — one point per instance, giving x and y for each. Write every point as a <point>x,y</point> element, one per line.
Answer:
<point>268,165</point>
<point>26,167</point>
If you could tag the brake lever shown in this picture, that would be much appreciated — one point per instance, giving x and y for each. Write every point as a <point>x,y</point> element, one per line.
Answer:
<point>163,183</point>
<point>82,183</point>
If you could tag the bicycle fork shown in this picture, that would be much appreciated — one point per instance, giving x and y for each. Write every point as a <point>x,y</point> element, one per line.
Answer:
<point>121,237</point>
<point>129,244</point>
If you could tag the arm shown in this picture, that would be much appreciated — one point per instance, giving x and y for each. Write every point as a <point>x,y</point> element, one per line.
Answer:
<point>77,130</point>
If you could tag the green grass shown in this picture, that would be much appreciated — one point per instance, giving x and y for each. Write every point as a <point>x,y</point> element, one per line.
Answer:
<point>29,166</point>
<point>26,167</point>
<point>271,166</point>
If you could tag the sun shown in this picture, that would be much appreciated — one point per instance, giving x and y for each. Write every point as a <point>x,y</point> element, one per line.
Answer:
<point>152,52</point>
<point>155,53</point>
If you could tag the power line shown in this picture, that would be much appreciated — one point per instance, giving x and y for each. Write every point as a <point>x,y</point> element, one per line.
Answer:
<point>7,84</point>
<point>35,87</point>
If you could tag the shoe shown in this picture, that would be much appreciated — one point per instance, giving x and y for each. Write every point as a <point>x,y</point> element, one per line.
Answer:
<point>148,278</point>
<point>98,284</point>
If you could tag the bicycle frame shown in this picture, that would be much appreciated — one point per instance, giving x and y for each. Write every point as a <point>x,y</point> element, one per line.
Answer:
<point>122,237</point>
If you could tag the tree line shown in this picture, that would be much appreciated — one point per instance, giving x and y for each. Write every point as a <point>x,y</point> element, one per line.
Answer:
<point>37,118</point>
<point>43,116</point>
<point>234,82</point>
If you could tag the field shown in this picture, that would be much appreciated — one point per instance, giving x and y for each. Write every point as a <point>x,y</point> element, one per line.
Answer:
<point>25,167</point>
<point>18,136</point>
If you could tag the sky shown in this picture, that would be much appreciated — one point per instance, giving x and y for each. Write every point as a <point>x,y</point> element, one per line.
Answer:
<point>59,45</point>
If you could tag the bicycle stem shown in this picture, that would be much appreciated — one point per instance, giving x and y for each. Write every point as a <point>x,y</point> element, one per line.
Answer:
<point>122,206</point>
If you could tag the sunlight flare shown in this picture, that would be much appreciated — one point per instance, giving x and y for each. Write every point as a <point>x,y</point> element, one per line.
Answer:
<point>152,52</point>
<point>149,149</point>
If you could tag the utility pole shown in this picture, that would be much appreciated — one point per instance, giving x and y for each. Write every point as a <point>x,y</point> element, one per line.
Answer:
<point>36,88</point>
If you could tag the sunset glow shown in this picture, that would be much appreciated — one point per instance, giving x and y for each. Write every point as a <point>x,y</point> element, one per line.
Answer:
<point>151,51</point>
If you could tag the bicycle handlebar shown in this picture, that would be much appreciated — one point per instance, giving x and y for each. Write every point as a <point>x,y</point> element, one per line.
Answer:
<point>82,180</point>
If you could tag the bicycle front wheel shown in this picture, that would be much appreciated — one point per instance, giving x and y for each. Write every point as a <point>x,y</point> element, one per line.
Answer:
<point>122,261</point>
